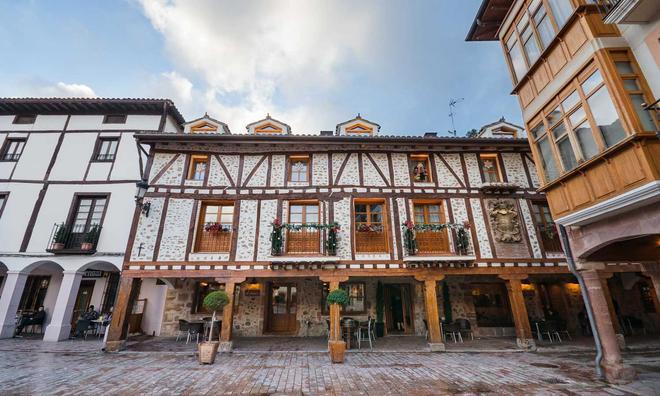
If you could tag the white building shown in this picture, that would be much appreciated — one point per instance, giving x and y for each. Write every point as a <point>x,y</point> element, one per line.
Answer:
<point>68,173</point>
<point>502,129</point>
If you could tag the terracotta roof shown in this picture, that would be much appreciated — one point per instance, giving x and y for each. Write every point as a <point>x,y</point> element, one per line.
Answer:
<point>488,20</point>
<point>10,106</point>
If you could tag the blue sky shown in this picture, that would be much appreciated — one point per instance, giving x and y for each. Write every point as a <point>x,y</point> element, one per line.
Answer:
<point>310,63</point>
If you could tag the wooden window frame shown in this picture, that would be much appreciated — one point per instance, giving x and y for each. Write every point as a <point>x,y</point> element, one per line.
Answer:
<point>441,212</point>
<point>385,222</point>
<point>203,127</point>
<point>261,129</point>
<point>24,119</point>
<point>108,119</point>
<point>196,159</point>
<point>575,85</point>
<point>301,158</point>
<point>544,224</point>
<point>5,149</point>
<point>426,158</point>
<point>365,129</point>
<point>498,169</point>
<point>201,223</point>
<point>75,204</point>
<point>304,204</point>
<point>325,290</point>
<point>105,157</point>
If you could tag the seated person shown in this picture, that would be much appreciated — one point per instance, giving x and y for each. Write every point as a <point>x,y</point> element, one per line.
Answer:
<point>33,319</point>
<point>85,320</point>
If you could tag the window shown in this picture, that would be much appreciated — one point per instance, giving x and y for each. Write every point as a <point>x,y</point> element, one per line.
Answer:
<point>356,296</point>
<point>13,148</point>
<point>3,202</point>
<point>106,149</point>
<point>561,10</point>
<point>114,119</point>
<point>89,211</point>
<point>516,57</point>
<point>370,227</point>
<point>299,170</point>
<point>420,166</point>
<point>304,240</point>
<point>215,227</point>
<point>202,289</point>
<point>490,170</point>
<point>25,119</point>
<point>630,77</point>
<point>546,227</point>
<point>34,293</point>
<point>430,241</point>
<point>584,123</point>
<point>198,166</point>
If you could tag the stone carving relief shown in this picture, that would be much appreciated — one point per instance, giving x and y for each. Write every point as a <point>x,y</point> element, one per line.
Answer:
<point>505,221</point>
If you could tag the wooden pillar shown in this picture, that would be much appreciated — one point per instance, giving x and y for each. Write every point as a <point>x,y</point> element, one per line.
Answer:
<point>335,310</point>
<point>118,330</point>
<point>524,338</point>
<point>226,342</point>
<point>615,371</point>
<point>431,308</point>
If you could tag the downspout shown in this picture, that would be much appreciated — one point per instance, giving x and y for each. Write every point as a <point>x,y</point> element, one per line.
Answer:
<point>587,301</point>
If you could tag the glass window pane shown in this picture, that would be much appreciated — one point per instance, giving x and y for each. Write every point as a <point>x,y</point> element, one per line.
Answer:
<point>532,50</point>
<point>360,208</point>
<point>296,209</point>
<point>570,101</point>
<point>644,115</point>
<point>519,66</point>
<point>566,153</point>
<point>624,67</point>
<point>559,131</point>
<point>577,116</point>
<point>227,219</point>
<point>360,218</point>
<point>295,218</point>
<point>537,130</point>
<point>434,217</point>
<point>554,116</point>
<point>561,10</point>
<point>631,85</point>
<point>548,160</point>
<point>376,218</point>
<point>545,29</point>
<point>377,208</point>
<point>590,83</point>
<point>434,208</point>
<point>606,117</point>
<point>586,140</point>
<point>419,218</point>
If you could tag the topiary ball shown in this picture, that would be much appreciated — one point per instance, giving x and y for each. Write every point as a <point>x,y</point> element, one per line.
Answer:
<point>339,297</point>
<point>216,300</point>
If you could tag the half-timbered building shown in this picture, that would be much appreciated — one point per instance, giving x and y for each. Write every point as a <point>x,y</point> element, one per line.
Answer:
<point>415,228</point>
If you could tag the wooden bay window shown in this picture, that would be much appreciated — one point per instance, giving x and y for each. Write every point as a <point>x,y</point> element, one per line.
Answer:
<point>215,227</point>
<point>370,223</point>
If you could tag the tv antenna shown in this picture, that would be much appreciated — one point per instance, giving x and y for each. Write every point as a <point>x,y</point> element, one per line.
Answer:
<point>452,108</point>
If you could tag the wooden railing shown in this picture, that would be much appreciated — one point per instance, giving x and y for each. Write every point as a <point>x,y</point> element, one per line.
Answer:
<point>432,242</point>
<point>550,238</point>
<point>216,239</point>
<point>303,241</point>
<point>373,241</point>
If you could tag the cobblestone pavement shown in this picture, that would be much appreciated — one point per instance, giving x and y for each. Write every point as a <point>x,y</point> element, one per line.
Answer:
<point>75,368</point>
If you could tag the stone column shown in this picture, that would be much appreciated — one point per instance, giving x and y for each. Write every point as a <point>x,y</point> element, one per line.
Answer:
<point>615,370</point>
<point>226,342</point>
<point>524,338</point>
<point>604,276</point>
<point>60,323</point>
<point>118,329</point>
<point>11,298</point>
<point>653,272</point>
<point>431,307</point>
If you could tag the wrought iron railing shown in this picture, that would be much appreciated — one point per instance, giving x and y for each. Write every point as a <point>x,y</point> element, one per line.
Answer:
<point>65,238</point>
<point>550,238</point>
<point>105,157</point>
<point>10,157</point>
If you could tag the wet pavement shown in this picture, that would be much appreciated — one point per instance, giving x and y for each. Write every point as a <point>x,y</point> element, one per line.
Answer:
<point>33,367</point>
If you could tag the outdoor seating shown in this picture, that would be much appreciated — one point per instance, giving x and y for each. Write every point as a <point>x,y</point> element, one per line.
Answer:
<point>194,330</point>
<point>454,331</point>
<point>633,325</point>
<point>366,332</point>
<point>349,330</point>
<point>464,328</point>
<point>183,328</point>
<point>547,328</point>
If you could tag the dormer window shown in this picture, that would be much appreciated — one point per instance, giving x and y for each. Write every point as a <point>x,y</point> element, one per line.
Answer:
<point>490,170</point>
<point>420,168</point>
<point>299,169</point>
<point>268,129</point>
<point>203,127</point>
<point>359,129</point>
<point>358,126</point>
<point>198,167</point>
<point>114,119</point>
<point>268,126</point>
<point>25,119</point>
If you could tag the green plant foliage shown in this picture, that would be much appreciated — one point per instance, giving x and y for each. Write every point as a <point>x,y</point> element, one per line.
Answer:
<point>216,300</point>
<point>92,235</point>
<point>339,297</point>
<point>62,234</point>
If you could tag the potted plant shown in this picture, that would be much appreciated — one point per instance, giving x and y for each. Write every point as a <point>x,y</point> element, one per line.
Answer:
<point>410,237</point>
<point>60,237</point>
<point>332,239</point>
<point>91,238</point>
<point>380,309</point>
<point>276,238</point>
<point>214,301</point>
<point>339,298</point>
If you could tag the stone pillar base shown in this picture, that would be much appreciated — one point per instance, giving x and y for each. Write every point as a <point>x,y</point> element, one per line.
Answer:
<point>7,330</point>
<point>618,373</point>
<point>527,344</point>
<point>56,333</point>
<point>226,346</point>
<point>114,346</point>
<point>437,346</point>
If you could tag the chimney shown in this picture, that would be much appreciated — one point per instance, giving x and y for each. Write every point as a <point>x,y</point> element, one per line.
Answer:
<point>327,133</point>
<point>430,134</point>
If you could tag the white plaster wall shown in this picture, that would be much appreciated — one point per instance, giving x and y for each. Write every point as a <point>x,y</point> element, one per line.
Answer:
<point>97,293</point>
<point>382,163</point>
<point>636,34</point>
<point>217,176</point>
<point>73,157</point>
<point>133,122</point>
<point>401,171</point>
<point>98,171</point>
<point>41,123</point>
<point>480,228</point>
<point>36,156</point>
<point>337,160</point>
<point>515,172</point>
<point>529,226</point>
<point>278,171</point>
<point>231,163</point>
<point>175,232</point>
<point>350,175</point>
<point>159,162</point>
<point>443,174</point>
<point>6,168</point>
<point>16,214</point>
<point>454,161</point>
<point>127,163</point>
<point>153,312</point>
<point>472,165</point>
<point>319,169</point>
<point>174,174</point>
<point>170,125</point>
<point>268,212</point>
<point>249,163</point>
<point>246,230</point>
<point>370,174</point>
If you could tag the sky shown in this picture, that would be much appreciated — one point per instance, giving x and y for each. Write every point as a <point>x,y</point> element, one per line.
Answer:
<point>309,63</point>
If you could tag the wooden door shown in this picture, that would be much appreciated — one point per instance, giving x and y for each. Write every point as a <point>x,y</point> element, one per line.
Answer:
<point>83,300</point>
<point>282,308</point>
<point>398,309</point>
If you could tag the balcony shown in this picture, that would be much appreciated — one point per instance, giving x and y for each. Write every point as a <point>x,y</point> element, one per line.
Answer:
<point>67,239</point>
<point>432,242</point>
<point>550,238</point>
<point>370,239</point>
<point>214,238</point>
<point>629,11</point>
<point>303,242</point>
<point>433,239</point>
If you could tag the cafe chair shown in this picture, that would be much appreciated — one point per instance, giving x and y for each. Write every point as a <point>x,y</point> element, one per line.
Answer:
<point>464,328</point>
<point>454,331</point>
<point>366,333</point>
<point>184,325</point>
<point>194,330</point>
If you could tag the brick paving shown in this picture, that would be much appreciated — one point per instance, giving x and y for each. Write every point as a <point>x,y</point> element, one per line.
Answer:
<point>32,367</point>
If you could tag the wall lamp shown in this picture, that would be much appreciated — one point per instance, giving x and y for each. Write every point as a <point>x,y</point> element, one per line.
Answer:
<point>142,187</point>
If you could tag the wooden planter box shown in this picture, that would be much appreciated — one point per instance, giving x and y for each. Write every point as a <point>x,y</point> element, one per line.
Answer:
<point>207,351</point>
<point>337,350</point>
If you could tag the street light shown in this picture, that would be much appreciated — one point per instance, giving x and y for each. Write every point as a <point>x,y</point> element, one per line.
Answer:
<point>142,187</point>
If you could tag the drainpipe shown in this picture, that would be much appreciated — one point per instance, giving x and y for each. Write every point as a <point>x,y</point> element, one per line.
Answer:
<point>587,301</point>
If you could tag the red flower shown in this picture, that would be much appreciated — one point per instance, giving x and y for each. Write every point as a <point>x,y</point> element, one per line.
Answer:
<point>409,224</point>
<point>276,222</point>
<point>466,225</point>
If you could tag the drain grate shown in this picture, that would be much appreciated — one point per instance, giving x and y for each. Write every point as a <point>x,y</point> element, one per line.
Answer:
<point>544,365</point>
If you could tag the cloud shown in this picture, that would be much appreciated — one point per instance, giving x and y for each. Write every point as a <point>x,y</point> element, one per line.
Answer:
<point>252,58</point>
<point>63,90</point>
